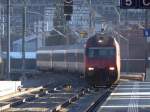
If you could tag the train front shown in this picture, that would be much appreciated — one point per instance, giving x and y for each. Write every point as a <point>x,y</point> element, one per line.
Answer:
<point>101,60</point>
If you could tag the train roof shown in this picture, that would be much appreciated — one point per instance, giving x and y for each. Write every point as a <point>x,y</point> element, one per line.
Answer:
<point>100,39</point>
<point>105,36</point>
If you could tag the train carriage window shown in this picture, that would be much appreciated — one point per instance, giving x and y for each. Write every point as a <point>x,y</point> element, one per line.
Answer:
<point>100,52</point>
<point>71,57</point>
<point>58,57</point>
<point>90,53</point>
<point>112,52</point>
<point>80,57</point>
<point>43,56</point>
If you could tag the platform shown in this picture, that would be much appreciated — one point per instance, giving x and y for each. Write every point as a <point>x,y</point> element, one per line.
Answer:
<point>133,76</point>
<point>128,97</point>
<point>8,87</point>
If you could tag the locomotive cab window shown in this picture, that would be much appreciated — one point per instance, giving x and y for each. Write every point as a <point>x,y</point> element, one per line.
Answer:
<point>101,52</point>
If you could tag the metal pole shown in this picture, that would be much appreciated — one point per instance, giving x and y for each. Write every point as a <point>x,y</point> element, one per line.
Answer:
<point>43,38</point>
<point>118,13</point>
<point>3,23</point>
<point>8,40</point>
<point>146,18</point>
<point>90,17</point>
<point>128,55</point>
<point>126,17</point>
<point>23,38</point>
<point>146,45</point>
<point>66,28</point>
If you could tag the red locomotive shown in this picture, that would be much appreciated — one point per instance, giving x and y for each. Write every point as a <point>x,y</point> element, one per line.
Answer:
<point>102,60</point>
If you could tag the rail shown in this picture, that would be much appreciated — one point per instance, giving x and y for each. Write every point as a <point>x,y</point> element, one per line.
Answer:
<point>100,100</point>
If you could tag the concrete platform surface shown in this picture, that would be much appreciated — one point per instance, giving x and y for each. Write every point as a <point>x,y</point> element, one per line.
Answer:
<point>128,97</point>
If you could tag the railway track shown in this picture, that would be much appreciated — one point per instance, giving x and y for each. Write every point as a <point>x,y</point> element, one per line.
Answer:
<point>43,100</point>
<point>100,99</point>
<point>27,96</point>
<point>86,100</point>
<point>42,86</point>
<point>55,97</point>
<point>63,98</point>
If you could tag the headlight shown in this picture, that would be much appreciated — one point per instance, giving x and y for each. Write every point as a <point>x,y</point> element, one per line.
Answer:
<point>111,68</point>
<point>100,41</point>
<point>90,68</point>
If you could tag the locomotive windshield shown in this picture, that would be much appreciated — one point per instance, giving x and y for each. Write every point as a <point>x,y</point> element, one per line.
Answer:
<point>101,52</point>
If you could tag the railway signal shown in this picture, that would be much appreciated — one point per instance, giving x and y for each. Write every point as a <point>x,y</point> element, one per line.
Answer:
<point>68,9</point>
